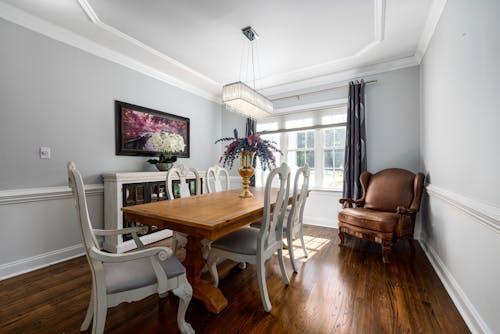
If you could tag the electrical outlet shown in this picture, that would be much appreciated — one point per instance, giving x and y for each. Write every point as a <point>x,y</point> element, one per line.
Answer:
<point>44,152</point>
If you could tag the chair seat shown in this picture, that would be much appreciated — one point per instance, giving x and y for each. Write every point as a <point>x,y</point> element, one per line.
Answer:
<point>123,276</point>
<point>242,241</point>
<point>369,219</point>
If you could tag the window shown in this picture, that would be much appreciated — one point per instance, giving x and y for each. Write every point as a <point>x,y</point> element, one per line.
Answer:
<point>316,138</point>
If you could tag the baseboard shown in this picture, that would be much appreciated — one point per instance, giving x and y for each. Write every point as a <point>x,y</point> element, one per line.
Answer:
<point>22,266</point>
<point>463,304</point>
<point>318,221</point>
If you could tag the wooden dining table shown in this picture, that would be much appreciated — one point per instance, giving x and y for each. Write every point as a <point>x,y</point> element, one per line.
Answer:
<point>207,216</point>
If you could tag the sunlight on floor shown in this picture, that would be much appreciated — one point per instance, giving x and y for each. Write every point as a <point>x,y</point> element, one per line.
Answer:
<point>313,246</point>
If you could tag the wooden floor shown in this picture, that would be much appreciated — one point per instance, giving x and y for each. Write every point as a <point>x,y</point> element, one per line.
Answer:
<point>337,290</point>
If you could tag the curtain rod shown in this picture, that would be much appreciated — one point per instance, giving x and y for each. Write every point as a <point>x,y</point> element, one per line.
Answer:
<point>318,91</point>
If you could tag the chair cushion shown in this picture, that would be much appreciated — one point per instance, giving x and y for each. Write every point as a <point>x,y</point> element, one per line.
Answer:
<point>369,219</point>
<point>123,276</point>
<point>242,241</point>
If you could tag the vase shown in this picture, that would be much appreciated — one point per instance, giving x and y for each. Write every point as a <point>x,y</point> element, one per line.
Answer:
<point>246,171</point>
<point>164,166</point>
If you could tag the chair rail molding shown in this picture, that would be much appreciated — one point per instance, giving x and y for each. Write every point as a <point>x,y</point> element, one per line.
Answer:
<point>15,196</point>
<point>483,213</point>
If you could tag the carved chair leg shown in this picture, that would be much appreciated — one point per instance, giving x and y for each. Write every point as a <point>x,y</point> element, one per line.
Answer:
<point>386,251</point>
<point>281,261</point>
<point>261,277</point>
<point>341,237</point>
<point>90,313</point>
<point>291,253</point>
<point>301,235</point>
<point>212,268</point>
<point>100,310</point>
<point>184,292</point>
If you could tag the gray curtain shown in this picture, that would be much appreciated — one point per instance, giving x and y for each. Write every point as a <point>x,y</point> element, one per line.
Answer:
<point>250,129</point>
<point>355,144</point>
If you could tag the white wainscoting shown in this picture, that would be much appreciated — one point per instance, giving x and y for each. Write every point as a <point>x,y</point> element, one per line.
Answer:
<point>461,238</point>
<point>39,227</point>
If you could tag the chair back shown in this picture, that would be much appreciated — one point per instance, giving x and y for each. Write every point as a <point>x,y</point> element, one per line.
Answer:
<point>214,177</point>
<point>75,182</point>
<point>390,188</point>
<point>271,230</point>
<point>299,197</point>
<point>182,173</point>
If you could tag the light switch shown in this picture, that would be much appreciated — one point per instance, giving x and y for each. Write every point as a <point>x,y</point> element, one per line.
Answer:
<point>44,152</point>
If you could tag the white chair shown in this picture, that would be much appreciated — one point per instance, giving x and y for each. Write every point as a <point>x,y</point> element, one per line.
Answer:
<point>295,215</point>
<point>257,246</point>
<point>127,277</point>
<point>214,177</point>
<point>180,239</point>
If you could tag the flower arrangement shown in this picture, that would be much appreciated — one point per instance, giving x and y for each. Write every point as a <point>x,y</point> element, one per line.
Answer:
<point>263,148</point>
<point>167,143</point>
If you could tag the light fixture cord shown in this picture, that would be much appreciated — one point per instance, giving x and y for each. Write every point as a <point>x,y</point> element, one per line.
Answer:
<point>253,66</point>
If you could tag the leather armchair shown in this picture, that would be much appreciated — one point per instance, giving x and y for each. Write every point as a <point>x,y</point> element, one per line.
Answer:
<point>386,212</point>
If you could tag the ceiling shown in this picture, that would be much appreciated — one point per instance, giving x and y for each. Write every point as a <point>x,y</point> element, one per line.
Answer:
<point>197,45</point>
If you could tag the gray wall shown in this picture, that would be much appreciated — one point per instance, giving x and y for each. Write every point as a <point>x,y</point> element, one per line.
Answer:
<point>55,95</point>
<point>460,77</point>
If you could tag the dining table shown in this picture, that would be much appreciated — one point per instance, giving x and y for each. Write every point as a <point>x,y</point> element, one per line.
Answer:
<point>206,216</point>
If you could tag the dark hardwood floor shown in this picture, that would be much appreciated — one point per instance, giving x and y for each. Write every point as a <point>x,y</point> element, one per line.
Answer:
<point>337,290</point>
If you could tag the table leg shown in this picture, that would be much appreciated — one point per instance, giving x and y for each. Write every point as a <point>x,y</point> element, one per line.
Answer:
<point>211,296</point>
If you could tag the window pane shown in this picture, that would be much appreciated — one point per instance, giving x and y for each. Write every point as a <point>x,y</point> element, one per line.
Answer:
<point>328,159</point>
<point>310,139</point>
<point>310,158</point>
<point>301,142</point>
<point>328,179</point>
<point>340,137</point>
<point>339,159</point>
<point>328,137</point>
<point>301,158</point>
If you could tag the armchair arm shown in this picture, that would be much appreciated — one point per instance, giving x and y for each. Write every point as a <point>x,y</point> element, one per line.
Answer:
<point>405,211</point>
<point>347,202</point>
<point>162,253</point>
<point>131,230</point>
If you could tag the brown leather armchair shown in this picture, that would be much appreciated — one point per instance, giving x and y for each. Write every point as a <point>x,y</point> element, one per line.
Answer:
<point>386,212</point>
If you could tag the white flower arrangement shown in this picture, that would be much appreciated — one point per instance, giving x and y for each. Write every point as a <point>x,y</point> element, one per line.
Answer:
<point>167,142</point>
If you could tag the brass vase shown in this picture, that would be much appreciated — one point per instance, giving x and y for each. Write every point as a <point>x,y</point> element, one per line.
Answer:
<point>246,171</point>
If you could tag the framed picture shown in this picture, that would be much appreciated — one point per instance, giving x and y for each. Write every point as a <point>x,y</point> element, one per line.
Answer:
<point>147,132</point>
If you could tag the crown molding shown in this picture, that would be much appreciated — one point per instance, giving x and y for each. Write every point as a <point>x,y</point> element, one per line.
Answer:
<point>341,77</point>
<point>437,8</point>
<point>31,22</point>
<point>92,15</point>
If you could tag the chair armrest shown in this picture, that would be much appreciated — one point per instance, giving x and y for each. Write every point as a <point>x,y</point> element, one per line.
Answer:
<point>162,253</point>
<point>349,201</point>
<point>136,229</point>
<point>405,211</point>
<point>132,230</point>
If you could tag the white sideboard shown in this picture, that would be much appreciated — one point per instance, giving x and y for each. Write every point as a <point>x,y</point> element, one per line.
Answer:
<point>123,189</point>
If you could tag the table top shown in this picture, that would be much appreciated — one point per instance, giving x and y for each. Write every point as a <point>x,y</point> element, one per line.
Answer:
<point>208,216</point>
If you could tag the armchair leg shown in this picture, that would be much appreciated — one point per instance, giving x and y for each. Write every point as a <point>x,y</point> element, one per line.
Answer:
<point>184,292</point>
<point>386,251</point>
<point>341,237</point>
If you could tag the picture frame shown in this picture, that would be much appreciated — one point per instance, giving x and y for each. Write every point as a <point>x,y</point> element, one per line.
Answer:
<point>137,129</point>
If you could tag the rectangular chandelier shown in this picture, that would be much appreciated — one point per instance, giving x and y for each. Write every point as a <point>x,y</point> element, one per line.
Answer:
<point>242,99</point>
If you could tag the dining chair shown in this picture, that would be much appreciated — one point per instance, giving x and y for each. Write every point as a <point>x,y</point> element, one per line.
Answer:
<point>127,277</point>
<point>293,222</point>
<point>180,239</point>
<point>214,183</point>
<point>257,246</point>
